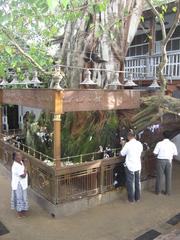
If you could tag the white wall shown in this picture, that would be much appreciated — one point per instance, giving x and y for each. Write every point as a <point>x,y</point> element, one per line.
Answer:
<point>22,110</point>
<point>36,111</point>
<point>176,140</point>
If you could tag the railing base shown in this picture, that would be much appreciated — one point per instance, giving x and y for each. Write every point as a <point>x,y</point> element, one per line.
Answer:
<point>72,207</point>
<point>76,206</point>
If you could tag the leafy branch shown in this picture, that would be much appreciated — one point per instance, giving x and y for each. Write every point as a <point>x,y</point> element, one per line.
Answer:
<point>26,55</point>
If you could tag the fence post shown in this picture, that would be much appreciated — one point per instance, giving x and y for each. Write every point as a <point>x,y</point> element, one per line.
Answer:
<point>81,160</point>
<point>102,178</point>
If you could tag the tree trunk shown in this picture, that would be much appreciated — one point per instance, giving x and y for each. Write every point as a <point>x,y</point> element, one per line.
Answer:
<point>161,68</point>
<point>107,36</point>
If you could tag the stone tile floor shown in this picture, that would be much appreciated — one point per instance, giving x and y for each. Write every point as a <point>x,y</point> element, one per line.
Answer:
<point>114,221</point>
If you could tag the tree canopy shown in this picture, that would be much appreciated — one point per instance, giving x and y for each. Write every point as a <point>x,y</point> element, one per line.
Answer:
<point>97,32</point>
<point>29,30</point>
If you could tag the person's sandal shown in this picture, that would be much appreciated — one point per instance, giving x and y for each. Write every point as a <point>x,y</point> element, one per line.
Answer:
<point>24,213</point>
<point>19,215</point>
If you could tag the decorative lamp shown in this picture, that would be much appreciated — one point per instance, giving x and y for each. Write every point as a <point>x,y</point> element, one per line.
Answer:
<point>154,84</point>
<point>57,77</point>
<point>87,79</point>
<point>4,83</point>
<point>129,82</point>
<point>35,79</point>
<point>14,81</point>
<point>26,81</point>
<point>115,83</point>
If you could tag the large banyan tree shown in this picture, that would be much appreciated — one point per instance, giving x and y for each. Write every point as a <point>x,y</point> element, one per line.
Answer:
<point>99,39</point>
<point>77,34</point>
<point>84,34</point>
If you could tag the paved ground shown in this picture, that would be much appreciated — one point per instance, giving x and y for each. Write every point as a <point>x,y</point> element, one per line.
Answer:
<point>114,221</point>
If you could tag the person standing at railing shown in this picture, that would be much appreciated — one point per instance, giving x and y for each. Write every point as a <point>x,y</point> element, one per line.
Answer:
<point>132,150</point>
<point>19,184</point>
<point>26,119</point>
<point>164,150</point>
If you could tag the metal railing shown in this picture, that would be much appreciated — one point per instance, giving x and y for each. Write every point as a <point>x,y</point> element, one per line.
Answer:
<point>12,132</point>
<point>21,146</point>
<point>146,67</point>
<point>86,157</point>
<point>65,161</point>
<point>87,179</point>
<point>74,182</point>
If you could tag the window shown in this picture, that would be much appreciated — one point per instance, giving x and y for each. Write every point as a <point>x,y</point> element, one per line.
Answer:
<point>176,44</point>
<point>145,49</point>
<point>176,32</point>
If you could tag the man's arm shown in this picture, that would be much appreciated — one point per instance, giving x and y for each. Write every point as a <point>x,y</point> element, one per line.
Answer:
<point>123,152</point>
<point>156,149</point>
<point>175,150</point>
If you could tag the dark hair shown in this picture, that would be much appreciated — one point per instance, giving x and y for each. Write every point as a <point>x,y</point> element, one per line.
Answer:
<point>14,156</point>
<point>167,134</point>
<point>131,133</point>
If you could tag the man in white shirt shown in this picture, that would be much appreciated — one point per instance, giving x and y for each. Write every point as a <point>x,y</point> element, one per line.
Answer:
<point>132,150</point>
<point>165,150</point>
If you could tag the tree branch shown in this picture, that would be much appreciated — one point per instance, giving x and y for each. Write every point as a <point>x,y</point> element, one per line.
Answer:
<point>165,39</point>
<point>175,23</point>
<point>26,55</point>
<point>156,13</point>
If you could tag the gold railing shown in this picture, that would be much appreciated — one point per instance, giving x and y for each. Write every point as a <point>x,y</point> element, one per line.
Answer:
<point>42,177</point>
<point>70,182</point>
<point>17,144</point>
<point>12,132</point>
<point>86,179</point>
<point>86,157</point>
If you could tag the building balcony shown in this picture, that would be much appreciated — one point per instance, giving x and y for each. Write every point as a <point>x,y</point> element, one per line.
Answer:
<point>146,67</point>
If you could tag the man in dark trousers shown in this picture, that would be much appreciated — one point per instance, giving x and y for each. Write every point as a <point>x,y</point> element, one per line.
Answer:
<point>132,150</point>
<point>164,150</point>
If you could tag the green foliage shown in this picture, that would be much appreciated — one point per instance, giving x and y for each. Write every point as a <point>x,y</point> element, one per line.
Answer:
<point>174,9</point>
<point>142,19</point>
<point>33,24</point>
<point>2,67</point>
<point>100,7</point>
<point>35,128</point>
<point>52,4</point>
<point>164,8</point>
<point>96,129</point>
<point>149,36</point>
